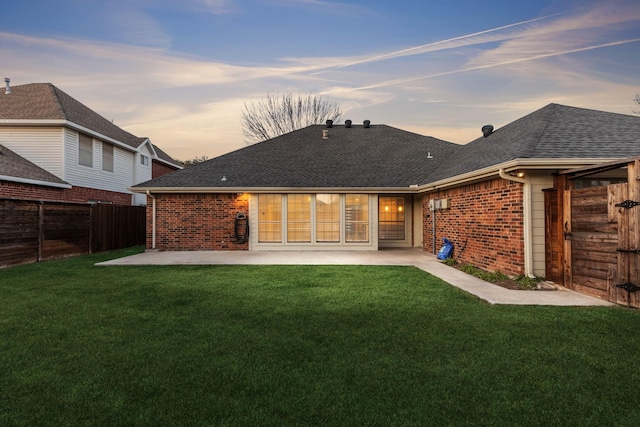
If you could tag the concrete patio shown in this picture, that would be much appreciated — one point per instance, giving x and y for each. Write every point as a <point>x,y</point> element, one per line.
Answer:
<point>491,293</point>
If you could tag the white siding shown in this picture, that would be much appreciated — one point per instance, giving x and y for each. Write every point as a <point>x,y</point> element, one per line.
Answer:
<point>42,146</point>
<point>94,177</point>
<point>142,172</point>
<point>539,181</point>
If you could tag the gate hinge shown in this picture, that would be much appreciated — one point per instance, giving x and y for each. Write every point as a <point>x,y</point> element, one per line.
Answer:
<point>629,287</point>
<point>627,204</point>
<point>631,251</point>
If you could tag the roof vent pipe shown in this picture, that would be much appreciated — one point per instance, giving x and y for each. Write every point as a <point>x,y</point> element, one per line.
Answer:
<point>329,123</point>
<point>487,130</point>
<point>8,91</point>
<point>366,123</point>
<point>325,134</point>
<point>347,123</point>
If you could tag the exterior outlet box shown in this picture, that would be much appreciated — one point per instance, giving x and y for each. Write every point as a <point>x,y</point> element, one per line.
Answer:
<point>432,205</point>
<point>439,204</point>
<point>444,203</point>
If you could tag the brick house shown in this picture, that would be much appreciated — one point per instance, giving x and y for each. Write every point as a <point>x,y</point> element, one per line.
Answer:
<point>86,157</point>
<point>368,187</point>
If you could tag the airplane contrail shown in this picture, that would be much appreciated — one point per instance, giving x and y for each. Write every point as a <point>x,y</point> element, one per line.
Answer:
<point>434,46</point>
<point>497,64</point>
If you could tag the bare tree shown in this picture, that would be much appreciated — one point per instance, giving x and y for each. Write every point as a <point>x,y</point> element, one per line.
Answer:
<point>279,114</point>
<point>193,162</point>
<point>637,101</point>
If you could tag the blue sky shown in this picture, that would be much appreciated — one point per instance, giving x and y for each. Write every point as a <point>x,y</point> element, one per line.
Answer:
<point>179,71</point>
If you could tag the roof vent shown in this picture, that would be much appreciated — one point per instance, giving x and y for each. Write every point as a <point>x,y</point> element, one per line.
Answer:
<point>366,123</point>
<point>347,123</point>
<point>325,134</point>
<point>329,123</point>
<point>487,130</point>
<point>8,91</point>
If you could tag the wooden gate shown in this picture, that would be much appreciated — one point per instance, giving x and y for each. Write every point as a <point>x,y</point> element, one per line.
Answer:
<point>601,240</point>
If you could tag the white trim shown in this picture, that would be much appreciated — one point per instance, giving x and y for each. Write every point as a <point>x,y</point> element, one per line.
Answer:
<point>33,181</point>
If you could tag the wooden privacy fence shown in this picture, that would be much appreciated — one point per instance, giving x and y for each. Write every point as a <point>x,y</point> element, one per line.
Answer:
<point>593,237</point>
<point>33,231</point>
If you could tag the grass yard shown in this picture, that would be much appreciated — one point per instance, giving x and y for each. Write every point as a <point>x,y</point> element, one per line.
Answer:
<point>300,346</point>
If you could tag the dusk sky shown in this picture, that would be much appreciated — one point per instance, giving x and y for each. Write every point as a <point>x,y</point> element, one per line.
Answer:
<point>179,71</point>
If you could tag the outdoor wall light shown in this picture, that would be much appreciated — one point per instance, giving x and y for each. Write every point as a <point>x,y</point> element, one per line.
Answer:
<point>520,174</point>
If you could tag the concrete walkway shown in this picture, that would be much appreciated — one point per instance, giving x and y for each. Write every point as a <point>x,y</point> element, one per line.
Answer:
<point>412,257</point>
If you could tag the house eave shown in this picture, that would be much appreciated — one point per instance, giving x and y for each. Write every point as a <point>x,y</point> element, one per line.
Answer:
<point>34,182</point>
<point>512,165</point>
<point>258,190</point>
<point>71,125</point>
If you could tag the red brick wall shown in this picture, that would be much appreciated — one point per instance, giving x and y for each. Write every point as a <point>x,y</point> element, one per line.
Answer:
<point>489,217</point>
<point>16,190</point>
<point>159,169</point>
<point>195,222</point>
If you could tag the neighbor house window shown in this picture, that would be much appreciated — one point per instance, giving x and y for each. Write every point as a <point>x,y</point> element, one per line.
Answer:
<point>85,150</point>
<point>107,157</point>
<point>270,218</point>
<point>144,160</point>
<point>356,218</point>
<point>299,218</point>
<point>391,218</point>
<point>327,218</point>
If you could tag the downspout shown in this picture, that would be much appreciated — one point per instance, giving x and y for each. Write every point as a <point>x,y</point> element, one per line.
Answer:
<point>153,219</point>
<point>526,207</point>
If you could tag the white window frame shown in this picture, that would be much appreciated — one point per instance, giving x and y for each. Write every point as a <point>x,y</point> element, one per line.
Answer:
<point>284,242</point>
<point>85,150</point>
<point>108,159</point>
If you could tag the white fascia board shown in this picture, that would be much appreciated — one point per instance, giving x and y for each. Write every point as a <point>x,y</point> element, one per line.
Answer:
<point>512,165</point>
<point>175,165</point>
<point>34,182</point>
<point>288,190</point>
<point>71,125</point>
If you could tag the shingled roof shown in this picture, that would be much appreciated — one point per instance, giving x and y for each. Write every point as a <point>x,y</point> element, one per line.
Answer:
<point>15,166</point>
<point>378,156</point>
<point>44,101</point>
<point>552,132</point>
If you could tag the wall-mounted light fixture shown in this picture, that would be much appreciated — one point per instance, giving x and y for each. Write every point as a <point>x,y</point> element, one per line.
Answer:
<point>520,174</point>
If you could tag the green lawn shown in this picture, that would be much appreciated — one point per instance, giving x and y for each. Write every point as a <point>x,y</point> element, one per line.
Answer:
<point>300,345</point>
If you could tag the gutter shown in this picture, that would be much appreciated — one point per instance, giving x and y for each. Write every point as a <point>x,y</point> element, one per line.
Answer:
<point>526,207</point>
<point>153,220</point>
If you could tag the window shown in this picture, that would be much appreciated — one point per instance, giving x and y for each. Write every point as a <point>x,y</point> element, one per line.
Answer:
<point>299,218</point>
<point>107,157</point>
<point>356,217</point>
<point>85,150</point>
<point>144,160</point>
<point>327,218</point>
<point>391,218</point>
<point>313,219</point>
<point>270,219</point>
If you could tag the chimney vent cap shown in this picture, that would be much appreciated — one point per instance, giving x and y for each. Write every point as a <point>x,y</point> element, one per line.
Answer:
<point>487,130</point>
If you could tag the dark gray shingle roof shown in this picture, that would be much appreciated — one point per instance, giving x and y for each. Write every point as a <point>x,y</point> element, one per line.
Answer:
<point>14,165</point>
<point>164,156</point>
<point>378,156</point>
<point>552,132</point>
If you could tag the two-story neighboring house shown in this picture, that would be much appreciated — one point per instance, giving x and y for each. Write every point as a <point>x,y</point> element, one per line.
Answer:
<point>93,159</point>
